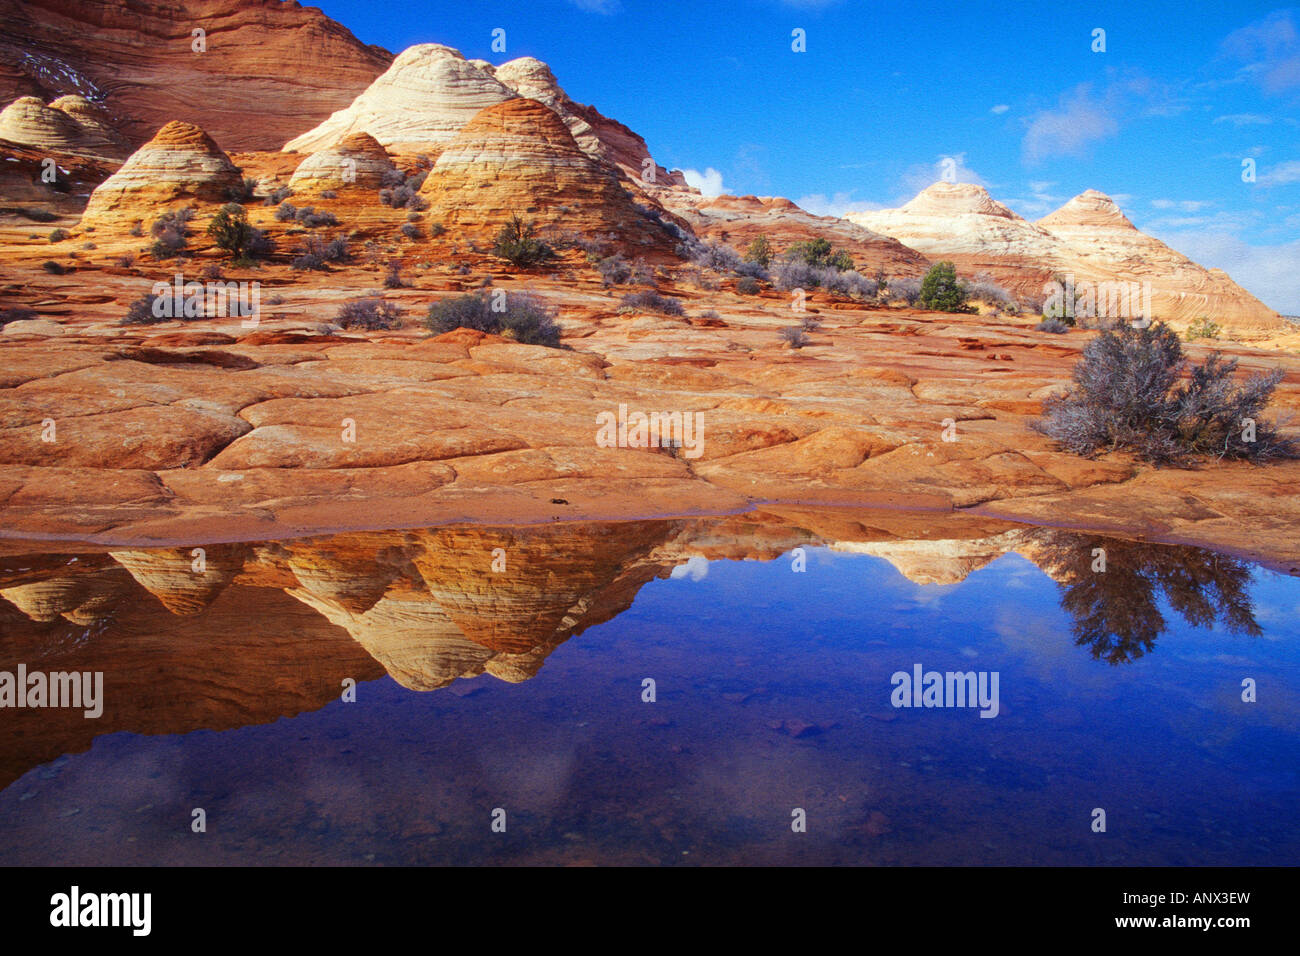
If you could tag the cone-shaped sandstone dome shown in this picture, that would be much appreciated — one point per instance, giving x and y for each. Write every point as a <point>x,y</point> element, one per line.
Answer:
<point>1088,210</point>
<point>358,160</point>
<point>1107,247</point>
<point>180,162</point>
<point>428,93</point>
<point>70,124</point>
<point>957,199</point>
<point>518,157</point>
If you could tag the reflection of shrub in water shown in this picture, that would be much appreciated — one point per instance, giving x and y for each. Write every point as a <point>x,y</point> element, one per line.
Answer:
<point>1117,612</point>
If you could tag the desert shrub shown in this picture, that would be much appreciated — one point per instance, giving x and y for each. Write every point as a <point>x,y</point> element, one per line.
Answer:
<point>716,256</point>
<point>277,195</point>
<point>126,261</point>
<point>941,292</point>
<point>393,277</point>
<point>401,191</point>
<point>436,229</point>
<point>212,271</point>
<point>53,268</point>
<point>170,232</point>
<point>329,194</point>
<point>819,253</point>
<point>88,246</point>
<point>141,312</point>
<point>232,232</point>
<point>795,274</point>
<point>309,256</point>
<point>759,252</point>
<point>1127,394</point>
<point>371,315</point>
<point>520,316</point>
<point>988,291</point>
<point>746,285</point>
<point>1053,325</point>
<point>168,243</point>
<point>242,191</point>
<point>137,228</point>
<point>286,212</point>
<point>58,235</point>
<point>847,283</point>
<point>905,289</point>
<point>518,245</point>
<point>411,231</point>
<point>795,335</point>
<point>653,302</point>
<point>530,321</point>
<point>1202,328</point>
<point>413,216</point>
<point>614,270</point>
<point>469,311</point>
<point>751,269</point>
<point>710,314</point>
<point>15,314</point>
<point>309,217</point>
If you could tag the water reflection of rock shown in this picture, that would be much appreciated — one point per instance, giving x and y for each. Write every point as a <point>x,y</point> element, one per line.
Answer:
<point>270,630</point>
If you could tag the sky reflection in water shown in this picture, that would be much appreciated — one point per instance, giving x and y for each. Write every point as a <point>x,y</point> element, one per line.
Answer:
<point>1119,690</point>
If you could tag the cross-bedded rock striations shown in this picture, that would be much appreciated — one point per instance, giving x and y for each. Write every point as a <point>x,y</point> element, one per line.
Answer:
<point>285,65</point>
<point>180,162</point>
<point>518,157</point>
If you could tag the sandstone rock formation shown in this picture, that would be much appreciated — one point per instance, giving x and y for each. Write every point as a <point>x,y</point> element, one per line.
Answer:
<point>1106,246</point>
<point>518,157</point>
<point>431,91</point>
<point>421,101</point>
<point>738,220</point>
<point>1088,240</point>
<point>962,223</point>
<point>357,161</point>
<point>180,162</point>
<point>599,136</point>
<point>70,124</point>
<point>287,64</point>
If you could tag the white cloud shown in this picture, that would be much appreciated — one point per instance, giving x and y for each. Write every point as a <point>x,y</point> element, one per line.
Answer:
<point>1000,109</point>
<point>1269,51</point>
<point>1267,272</point>
<point>708,182</point>
<point>1282,174</point>
<point>598,6</point>
<point>696,568</point>
<point>952,168</point>
<point>1079,120</point>
<point>1243,119</point>
<point>837,205</point>
<point>1185,205</point>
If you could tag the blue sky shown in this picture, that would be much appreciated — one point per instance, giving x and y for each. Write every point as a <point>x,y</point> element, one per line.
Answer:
<point>1013,92</point>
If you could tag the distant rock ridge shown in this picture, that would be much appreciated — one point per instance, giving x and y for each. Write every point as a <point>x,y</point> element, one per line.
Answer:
<point>738,220</point>
<point>1089,238</point>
